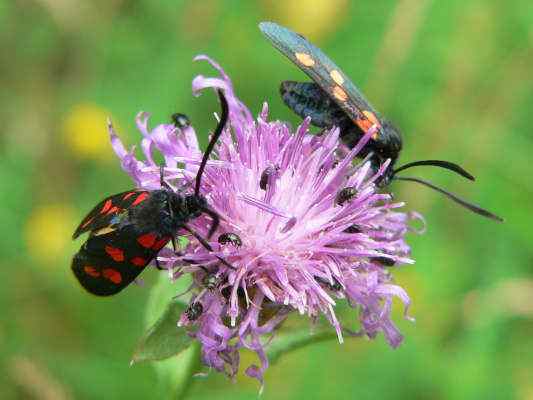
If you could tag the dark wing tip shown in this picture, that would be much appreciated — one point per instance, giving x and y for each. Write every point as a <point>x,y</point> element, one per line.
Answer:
<point>94,286</point>
<point>496,218</point>
<point>76,233</point>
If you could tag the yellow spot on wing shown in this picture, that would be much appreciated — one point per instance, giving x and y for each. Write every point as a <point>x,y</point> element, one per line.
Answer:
<point>368,122</point>
<point>339,93</point>
<point>337,77</point>
<point>305,59</point>
<point>371,116</point>
<point>104,231</point>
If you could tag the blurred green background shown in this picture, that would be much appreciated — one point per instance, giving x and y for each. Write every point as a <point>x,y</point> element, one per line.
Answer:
<point>456,76</point>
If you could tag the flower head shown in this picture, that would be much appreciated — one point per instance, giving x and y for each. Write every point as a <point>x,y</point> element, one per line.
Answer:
<point>302,227</point>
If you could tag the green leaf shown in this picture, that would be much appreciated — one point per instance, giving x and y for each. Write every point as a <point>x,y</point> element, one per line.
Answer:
<point>160,295</point>
<point>164,339</point>
<point>174,372</point>
<point>285,342</point>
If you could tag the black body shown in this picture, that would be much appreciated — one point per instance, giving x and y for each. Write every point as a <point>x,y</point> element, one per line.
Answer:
<point>353,229</point>
<point>180,120</point>
<point>333,100</point>
<point>194,311</point>
<point>307,99</point>
<point>124,241</point>
<point>267,175</point>
<point>230,237</point>
<point>127,230</point>
<point>345,195</point>
<point>335,286</point>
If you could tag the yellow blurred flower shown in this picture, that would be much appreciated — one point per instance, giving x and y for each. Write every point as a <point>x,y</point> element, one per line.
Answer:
<point>85,132</point>
<point>314,19</point>
<point>49,231</point>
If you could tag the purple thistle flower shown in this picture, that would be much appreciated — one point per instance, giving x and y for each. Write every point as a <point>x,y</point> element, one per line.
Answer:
<point>302,225</point>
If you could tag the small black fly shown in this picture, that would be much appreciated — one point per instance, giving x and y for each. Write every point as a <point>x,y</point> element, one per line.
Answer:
<point>335,286</point>
<point>194,311</point>
<point>180,120</point>
<point>345,195</point>
<point>267,175</point>
<point>231,238</point>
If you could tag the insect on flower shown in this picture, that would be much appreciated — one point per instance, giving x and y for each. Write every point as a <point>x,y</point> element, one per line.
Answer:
<point>293,247</point>
<point>267,175</point>
<point>210,281</point>
<point>231,238</point>
<point>194,310</point>
<point>127,230</point>
<point>180,120</point>
<point>333,100</point>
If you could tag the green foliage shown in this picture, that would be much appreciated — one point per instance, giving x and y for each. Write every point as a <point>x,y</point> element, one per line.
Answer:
<point>163,339</point>
<point>285,342</point>
<point>175,357</point>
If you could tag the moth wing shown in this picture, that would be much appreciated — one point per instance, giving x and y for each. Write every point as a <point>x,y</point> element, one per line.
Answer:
<point>108,263</point>
<point>106,212</point>
<point>319,67</point>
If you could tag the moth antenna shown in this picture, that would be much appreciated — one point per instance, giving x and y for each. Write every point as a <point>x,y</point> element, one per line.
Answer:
<point>470,206</point>
<point>212,142</point>
<point>437,163</point>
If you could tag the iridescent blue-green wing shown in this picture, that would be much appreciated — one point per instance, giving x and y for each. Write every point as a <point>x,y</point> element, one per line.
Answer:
<point>311,60</point>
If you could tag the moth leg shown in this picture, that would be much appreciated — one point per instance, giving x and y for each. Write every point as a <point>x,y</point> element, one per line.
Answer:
<point>161,178</point>
<point>169,209</point>
<point>174,245</point>
<point>216,220</point>
<point>204,243</point>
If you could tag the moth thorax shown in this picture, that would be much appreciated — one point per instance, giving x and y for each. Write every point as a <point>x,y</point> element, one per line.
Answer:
<point>194,205</point>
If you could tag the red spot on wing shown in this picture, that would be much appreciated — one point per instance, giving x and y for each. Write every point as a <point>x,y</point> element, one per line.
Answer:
<point>128,195</point>
<point>364,124</point>
<point>367,122</point>
<point>143,196</point>
<point>106,207</point>
<point>113,275</point>
<point>91,271</point>
<point>160,243</point>
<point>114,253</point>
<point>138,261</point>
<point>147,240</point>
<point>112,210</point>
<point>87,222</point>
